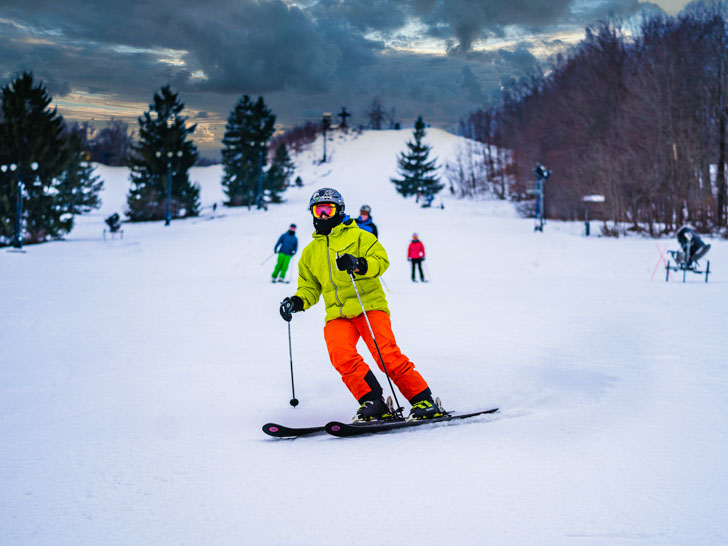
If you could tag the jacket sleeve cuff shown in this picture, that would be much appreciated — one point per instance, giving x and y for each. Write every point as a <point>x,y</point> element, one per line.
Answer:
<point>372,271</point>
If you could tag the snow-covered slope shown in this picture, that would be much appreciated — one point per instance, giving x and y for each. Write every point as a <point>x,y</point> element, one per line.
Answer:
<point>135,375</point>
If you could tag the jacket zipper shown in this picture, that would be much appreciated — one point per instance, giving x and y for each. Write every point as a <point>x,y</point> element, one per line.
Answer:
<point>331,277</point>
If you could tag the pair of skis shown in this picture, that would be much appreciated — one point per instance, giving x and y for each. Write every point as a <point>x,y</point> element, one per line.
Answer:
<point>343,430</point>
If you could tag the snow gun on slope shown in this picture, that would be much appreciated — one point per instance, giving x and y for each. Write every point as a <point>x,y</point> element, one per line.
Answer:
<point>692,249</point>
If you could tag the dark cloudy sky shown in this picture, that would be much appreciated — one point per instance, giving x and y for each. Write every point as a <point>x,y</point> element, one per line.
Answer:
<point>438,58</point>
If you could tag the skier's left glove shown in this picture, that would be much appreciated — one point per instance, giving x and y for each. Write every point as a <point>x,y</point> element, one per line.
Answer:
<point>294,304</point>
<point>350,264</point>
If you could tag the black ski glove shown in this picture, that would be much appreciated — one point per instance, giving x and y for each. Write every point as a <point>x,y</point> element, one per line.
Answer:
<point>294,304</point>
<point>349,263</point>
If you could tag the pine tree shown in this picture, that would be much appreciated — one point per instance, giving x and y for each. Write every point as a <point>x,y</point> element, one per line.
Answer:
<point>62,184</point>
<point>160,136</point>
<point>81,189</point>
<point>416,171</point>
<point>280,172</point>
<point>244,154</point>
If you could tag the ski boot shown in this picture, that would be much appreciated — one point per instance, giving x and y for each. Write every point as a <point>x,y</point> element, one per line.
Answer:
<point>373,410</point>
<point>426,409</point>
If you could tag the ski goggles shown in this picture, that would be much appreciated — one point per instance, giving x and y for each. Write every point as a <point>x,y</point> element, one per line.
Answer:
<point>323,209</point>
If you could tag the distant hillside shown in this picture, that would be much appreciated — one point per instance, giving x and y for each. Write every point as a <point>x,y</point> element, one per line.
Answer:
<point>359,165</point>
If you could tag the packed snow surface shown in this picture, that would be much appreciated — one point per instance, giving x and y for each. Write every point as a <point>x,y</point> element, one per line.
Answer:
<point>136,373</point>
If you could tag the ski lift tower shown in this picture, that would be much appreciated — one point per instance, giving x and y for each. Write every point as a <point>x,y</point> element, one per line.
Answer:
<point>542,174</point>
<point>18,241</point>
<point>325,124</point>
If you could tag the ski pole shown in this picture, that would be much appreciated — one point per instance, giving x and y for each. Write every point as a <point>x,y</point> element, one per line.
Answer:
<point>384,366</point>
<point>268,258</point>
<point>294,400</point>
<point>427,270</point>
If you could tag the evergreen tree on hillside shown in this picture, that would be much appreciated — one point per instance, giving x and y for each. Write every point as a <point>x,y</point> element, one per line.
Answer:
<point>81,188</point>
<point>245,153</point>
<point>62,184</point>
<point>417,172</point>
<point>279,174</point>
<point>163,132</point>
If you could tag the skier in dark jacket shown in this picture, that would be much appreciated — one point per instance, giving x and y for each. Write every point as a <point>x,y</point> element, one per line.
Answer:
<point>365,220</point>
<point>286,247</point>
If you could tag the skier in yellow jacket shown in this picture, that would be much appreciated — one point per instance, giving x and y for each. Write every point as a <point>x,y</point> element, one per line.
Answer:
<point>338,250</point>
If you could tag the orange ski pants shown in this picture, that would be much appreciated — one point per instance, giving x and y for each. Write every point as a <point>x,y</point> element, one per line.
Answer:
<point>342,336</point>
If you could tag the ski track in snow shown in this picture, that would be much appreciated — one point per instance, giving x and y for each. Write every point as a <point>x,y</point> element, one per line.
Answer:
<point>135,376</point>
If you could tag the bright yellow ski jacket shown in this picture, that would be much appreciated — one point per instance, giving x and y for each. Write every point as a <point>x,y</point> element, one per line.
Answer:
<point>317,272</point>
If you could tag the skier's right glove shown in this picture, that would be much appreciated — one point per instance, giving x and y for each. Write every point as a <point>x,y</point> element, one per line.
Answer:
<point>294,304</point>
<point>351,264</point>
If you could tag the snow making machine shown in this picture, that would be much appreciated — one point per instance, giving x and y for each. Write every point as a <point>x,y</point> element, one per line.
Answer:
<point>692,249</point>
<point>114,223</point>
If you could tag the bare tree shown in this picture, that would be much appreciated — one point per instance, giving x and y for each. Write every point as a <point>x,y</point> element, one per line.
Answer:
<point>112,145</point>
<point>376,114</point>
<point>297,137</point>
<point>641,119</point>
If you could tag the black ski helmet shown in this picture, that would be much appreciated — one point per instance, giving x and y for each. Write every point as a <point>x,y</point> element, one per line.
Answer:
<point>366,208</point>
<point>327,195</point>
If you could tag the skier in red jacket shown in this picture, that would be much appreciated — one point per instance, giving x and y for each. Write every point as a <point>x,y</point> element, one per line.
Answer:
<point>416,255</point>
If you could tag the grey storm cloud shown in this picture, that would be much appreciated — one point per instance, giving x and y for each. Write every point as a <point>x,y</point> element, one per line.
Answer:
<point>301,55</point>
<point>263,46</point>
<point>251,46</point>
<point>471,85</point>
<point>363,15</point>
<point>463,20</point>
<point>589,12</point>
<point>521,59</point>
<point>468,20</point>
